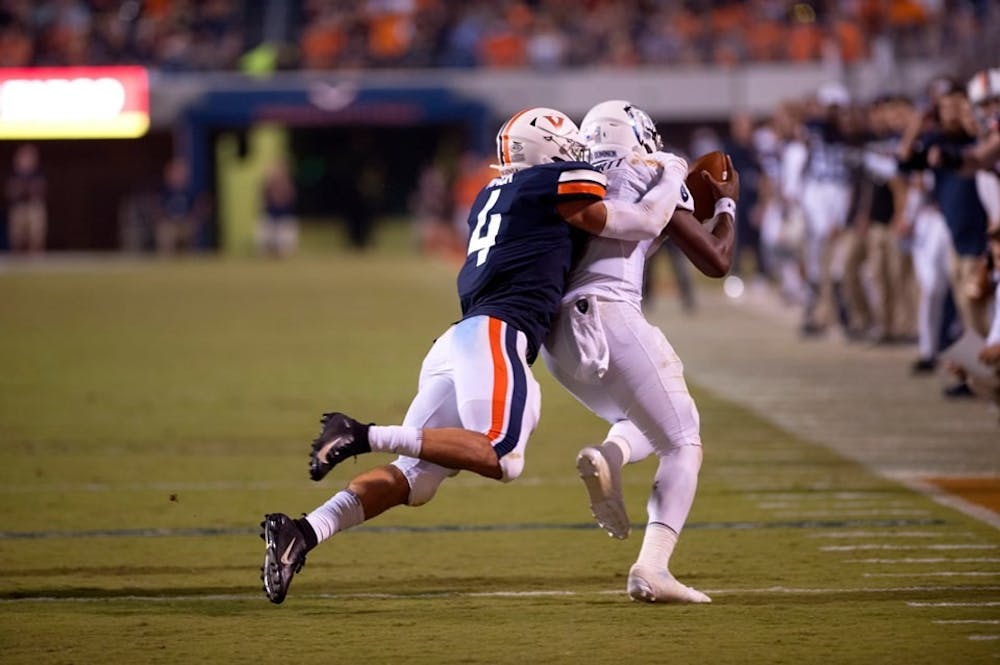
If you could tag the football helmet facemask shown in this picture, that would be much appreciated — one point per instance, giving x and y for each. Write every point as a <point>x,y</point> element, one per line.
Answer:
<point>619,123</point>
<point>536,136</point>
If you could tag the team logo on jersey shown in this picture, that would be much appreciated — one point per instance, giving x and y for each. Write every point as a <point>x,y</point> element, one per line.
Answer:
<point>684,194</point>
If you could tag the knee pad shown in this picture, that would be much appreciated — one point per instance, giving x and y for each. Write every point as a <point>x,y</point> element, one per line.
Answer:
<point>424,478</point>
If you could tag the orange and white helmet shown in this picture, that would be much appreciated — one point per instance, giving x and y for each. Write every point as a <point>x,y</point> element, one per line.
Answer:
<point>536,136</point>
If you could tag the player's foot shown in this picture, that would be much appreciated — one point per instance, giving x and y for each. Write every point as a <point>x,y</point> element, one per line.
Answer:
<point>659,586</point>
<point>960,390</point>
<point>603,481</point>
<point>340,438</point>
<point>284,554</point>
<point>923,366</point>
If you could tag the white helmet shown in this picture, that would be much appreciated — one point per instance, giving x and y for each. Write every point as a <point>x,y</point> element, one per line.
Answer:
<point>618,123</point>
<point>536,136</point>
<point>984,86</point>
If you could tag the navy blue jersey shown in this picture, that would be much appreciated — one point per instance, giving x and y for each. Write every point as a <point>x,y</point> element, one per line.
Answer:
<point>827,153</point>
<point>957,195</point>
<point>521,249</point>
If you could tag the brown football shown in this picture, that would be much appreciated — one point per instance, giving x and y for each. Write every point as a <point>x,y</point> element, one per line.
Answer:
<point>704,199</point>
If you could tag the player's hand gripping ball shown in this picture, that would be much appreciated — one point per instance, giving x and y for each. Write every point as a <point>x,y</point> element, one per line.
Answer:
<point>717,165</point>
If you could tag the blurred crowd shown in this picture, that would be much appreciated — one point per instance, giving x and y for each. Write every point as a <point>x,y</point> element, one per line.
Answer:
<point>329,34</point>
<point>880,221</point>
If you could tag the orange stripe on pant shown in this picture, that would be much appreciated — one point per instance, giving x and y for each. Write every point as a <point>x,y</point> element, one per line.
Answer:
<point>499,379</point>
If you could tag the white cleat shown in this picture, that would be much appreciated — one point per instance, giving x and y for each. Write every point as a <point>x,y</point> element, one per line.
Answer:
<point>604,486</point>
<point>659,586</point>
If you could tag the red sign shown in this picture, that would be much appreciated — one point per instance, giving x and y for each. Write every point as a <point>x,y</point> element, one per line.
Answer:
<point>74,102</point>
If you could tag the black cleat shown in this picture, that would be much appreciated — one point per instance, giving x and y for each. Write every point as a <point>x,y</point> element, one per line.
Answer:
<point>960,390</point>
<point>923,366</point>
<point>340,438</point>
<point>285,550</point>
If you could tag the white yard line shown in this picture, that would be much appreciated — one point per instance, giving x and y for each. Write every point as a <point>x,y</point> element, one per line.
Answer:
<point>989,622</point>
<point>929,546</point>
<point>986,603</point>
<point>766,591</point>
<point>893,534</point>
<point>940,573</point>
<point>984,559</point>
<point>833,513</point>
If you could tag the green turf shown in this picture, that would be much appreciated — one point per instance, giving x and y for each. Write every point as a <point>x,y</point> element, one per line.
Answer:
<point>165,398</point>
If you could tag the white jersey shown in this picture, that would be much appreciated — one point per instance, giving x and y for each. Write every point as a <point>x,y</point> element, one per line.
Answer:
<point>612,269</point>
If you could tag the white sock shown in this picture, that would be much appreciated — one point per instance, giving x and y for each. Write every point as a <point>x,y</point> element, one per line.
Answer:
<point>633,443</point>
<point>342,511</point>
<point>398,439</point>
<point>657,546</point>
<point>616,450</point>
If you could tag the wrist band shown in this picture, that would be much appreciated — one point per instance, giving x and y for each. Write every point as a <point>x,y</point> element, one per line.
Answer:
<point>726,205</point>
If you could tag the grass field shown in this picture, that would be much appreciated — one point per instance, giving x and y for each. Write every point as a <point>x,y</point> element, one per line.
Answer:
<point>150,413</point>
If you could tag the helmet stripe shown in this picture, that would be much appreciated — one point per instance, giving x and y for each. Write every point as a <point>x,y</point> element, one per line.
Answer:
<point>505,139</point>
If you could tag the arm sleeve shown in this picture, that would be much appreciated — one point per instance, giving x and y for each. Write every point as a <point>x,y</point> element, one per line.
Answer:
<point>646,218</point>
<point>581,185</point>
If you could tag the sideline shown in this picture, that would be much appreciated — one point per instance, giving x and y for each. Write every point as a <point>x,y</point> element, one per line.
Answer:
<point>856,399</point>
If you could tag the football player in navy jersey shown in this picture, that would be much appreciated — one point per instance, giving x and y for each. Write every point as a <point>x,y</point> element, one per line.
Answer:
<point>477,401</point>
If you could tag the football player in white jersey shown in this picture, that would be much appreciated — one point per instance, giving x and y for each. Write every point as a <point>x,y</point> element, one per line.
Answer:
<point>604,352</point>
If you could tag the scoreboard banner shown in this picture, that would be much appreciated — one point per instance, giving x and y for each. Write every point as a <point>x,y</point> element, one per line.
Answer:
<point>74,102</point>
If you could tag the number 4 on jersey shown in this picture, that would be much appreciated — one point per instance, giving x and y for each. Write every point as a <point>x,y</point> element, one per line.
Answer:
<point>482,239</point>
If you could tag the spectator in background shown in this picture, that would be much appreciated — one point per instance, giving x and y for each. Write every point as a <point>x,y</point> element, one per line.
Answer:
<point>430,206</point>
<point>177,223</point>
<point>26,213</point>
<point>948,128</point>
<point>879,228</point>
<point>278,232</point>
<point>473,173</point>
<point>741,149</point>
<point>990,353</point>
<point>957,194</point>
<point>826,202</point>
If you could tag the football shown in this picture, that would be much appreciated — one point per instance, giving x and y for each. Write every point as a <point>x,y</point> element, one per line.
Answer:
<point>704,200</point>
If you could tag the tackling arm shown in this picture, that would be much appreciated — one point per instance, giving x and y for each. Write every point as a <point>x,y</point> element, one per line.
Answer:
<point>642,220</point>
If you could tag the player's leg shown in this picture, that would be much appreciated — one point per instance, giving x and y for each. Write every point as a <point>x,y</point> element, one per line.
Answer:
<point>646,374</point>
<point>471,351</point>
<point>812,255</point>
<point>930,251</point>
<point>497,399</point>
<point>287,540</point>
<point>599,466</point>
